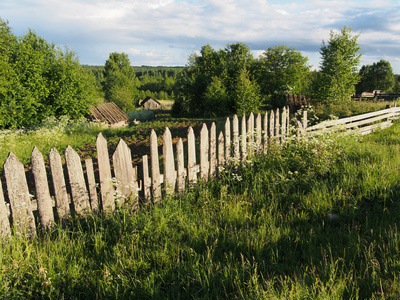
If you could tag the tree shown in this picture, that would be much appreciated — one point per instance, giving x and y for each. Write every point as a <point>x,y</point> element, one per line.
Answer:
<point>120,82</point>
<point>282,70</point>
<point>39,80</point>
<point>208,86</point>
<point>247,93</point>
<point>378,76</point>
<point>340,58</point>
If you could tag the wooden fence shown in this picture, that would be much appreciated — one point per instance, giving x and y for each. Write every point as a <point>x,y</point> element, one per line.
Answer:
<point>75,188</point>
<point>363,124</point>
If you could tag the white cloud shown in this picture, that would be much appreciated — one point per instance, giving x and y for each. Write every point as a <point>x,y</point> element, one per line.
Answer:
<point>167,31</point>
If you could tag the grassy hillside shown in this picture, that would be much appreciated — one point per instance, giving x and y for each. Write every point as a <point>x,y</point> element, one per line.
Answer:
<point>314,219</point>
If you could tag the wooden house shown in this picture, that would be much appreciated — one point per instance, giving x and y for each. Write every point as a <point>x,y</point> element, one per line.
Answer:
<point>150,103</point>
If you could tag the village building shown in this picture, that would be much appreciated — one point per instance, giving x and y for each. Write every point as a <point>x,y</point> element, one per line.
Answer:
<point>110,114</point>
<point>150,103</point>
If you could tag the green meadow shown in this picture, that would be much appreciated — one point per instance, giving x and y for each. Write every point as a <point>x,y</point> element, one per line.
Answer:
<point>311,219</point>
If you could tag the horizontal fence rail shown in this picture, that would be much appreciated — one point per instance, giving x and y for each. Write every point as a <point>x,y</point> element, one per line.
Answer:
<point>363,124</point>
<point>76,188</point>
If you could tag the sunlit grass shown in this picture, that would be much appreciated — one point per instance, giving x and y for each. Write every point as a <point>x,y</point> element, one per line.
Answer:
<point>313,219</point>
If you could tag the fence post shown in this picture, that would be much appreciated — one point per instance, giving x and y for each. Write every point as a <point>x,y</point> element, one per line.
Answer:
<point>266,132</point>
<point>250,135</point>
<point>146,179</point>
<point>94,201</point>
<point>155,167</point>
<point>169,163</point>
<point>60,188</point>
<point>283,126</point>
<point>277,125</point>
<point>192,169</point>
<point>258,133</point>
<point>45,206</point>
<point>227,140</point>
<point>221,149</point>
<point>18,194</point>
<point>244,139</point>
<point>271,126</point>
<point>236,143</point>
<point>5,229</point>
<point>77,182</point>
<point>123,171</point>
<point>180,165</point>
<point>106,186</point>
<point>204,153</point>
<point>213,150</point>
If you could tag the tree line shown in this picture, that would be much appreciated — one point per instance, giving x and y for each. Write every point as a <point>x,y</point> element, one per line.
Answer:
<point>39,79</point>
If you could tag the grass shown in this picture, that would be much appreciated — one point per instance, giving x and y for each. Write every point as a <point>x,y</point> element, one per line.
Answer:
<point>313,219</point>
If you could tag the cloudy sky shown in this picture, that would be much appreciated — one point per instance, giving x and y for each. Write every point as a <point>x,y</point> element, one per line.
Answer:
<point>166,32</point>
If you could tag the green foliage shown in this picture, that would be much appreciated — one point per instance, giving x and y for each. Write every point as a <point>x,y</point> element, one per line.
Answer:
<point>282,70</point>
<point>141,115</point>
<point>208,86</point>
<point>339,75</point>
<point>120,85</point>
<point>247,94</point>
<point>38,80</point>
<point>378,76</point>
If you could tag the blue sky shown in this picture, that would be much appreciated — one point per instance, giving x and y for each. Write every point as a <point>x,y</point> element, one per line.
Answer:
<point>166,32</point>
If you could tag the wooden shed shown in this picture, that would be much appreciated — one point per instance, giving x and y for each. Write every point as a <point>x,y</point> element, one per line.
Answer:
<point>111,114</point>
<point>150,103</point>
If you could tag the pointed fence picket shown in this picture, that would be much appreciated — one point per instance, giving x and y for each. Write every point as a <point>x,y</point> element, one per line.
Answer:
<point>77,190</point>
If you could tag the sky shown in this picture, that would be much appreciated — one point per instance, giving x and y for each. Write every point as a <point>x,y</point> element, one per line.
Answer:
<point>167,32</point>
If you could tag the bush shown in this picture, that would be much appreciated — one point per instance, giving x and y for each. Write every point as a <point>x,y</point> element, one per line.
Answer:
<point>141,115</point>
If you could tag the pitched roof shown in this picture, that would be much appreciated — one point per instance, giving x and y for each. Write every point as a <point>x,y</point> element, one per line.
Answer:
<point>109,112</point>
<point>148,99</point>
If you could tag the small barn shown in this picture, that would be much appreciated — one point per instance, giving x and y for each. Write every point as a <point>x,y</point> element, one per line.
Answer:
<point>150,103</point>
<point>111,114</point>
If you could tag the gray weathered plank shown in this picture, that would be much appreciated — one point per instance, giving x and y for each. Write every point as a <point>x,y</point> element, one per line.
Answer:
<point>45,205</point>
<point>94,199</point>
<point>221,149</point>
<point>244,139</point>
<point>155,167</point>
<point>277,124</point>
<point>213,150</point>
<point>123,171</point>
<point>236,142</point>
<point>192,169</point>
<point>271,126</point>
<point>146,179</point>
<point>180,165</point>
<point>169,163</point>
<point>266,132</point>
<point>106,184</point>
<point>80,196</point>
<point>18,194</point>
<point>204,153</point>
<point>60,188</point>
<point>5,228</point>
<point>258,132</point>
<point>227,140</point>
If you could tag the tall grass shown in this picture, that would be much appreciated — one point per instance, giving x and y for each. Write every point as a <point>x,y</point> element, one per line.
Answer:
<point>313,219</point>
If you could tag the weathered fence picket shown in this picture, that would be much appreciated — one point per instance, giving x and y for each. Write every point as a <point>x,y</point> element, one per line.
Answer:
<point>18,195</point>
<point>45,207</point>
<point>106,184</point>
<point>155,167</point>
<point>60,188</point>
<point>169,163</point>
<point>5,228</point>
<point>80,195</point>
<point>94,200</point>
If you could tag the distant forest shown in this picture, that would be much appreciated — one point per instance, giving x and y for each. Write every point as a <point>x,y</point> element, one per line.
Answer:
<point>156,82</point>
